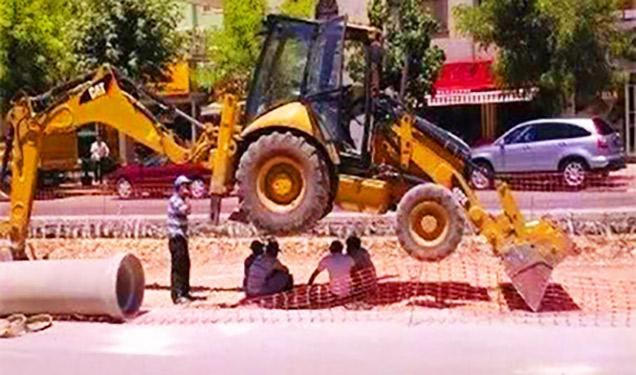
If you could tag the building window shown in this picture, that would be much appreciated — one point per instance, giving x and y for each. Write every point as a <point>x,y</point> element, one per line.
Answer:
<point>208,5</point>
<point>439,8</point>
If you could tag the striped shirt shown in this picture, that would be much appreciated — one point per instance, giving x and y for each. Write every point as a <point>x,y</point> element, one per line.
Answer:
<point>177,216</point>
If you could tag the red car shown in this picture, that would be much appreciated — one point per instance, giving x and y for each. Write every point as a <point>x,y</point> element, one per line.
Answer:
<point>155,176</point>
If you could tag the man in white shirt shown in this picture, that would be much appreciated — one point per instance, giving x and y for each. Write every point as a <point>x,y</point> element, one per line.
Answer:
<point>99,153</point>
<point>339,267</point>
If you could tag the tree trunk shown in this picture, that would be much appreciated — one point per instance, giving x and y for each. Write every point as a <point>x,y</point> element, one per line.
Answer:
<point>404,81</point>
<point>570,105</point>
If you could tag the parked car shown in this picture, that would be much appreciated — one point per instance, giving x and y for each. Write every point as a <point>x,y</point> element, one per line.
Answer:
<point>573,148</point>
<point>156,175</point>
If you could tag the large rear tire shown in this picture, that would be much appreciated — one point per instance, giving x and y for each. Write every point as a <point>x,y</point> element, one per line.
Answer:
<point>283,183</point>
<point>429,222</point>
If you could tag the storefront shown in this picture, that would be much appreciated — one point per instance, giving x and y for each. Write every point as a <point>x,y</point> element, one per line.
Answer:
<point>469,88</point>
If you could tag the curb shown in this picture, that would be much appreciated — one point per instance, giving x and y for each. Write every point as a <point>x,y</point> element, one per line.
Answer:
<point>337,224</point>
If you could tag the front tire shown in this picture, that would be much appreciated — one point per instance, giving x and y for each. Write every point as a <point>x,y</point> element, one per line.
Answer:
<point>429,222</point>
<point>284,186</point>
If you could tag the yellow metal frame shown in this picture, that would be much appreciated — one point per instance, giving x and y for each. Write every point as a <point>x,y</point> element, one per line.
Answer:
<point>222,157</point>
<point>294,116</point>
<point>363,194</point>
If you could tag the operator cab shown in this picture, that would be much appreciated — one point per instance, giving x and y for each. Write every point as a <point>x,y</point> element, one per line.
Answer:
<point>314,63</point>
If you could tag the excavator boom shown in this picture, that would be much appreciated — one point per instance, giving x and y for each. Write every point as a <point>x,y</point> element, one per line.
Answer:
<point>99,97</point>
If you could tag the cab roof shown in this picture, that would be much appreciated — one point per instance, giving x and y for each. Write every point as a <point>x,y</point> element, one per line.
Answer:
<point>354,31</point>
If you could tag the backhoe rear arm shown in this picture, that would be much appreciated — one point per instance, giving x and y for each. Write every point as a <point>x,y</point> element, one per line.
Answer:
<point>98,99</point>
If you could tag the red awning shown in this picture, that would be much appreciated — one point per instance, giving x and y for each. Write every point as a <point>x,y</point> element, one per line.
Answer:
<point>480,97</point>
<point>472,83</point>
<point>465,76</point>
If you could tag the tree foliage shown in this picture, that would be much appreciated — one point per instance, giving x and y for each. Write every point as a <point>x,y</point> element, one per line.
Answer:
<point>35,45</point>
<point>408,29</point>
<point>564,47</point>
<point>45,42</point>
<point>298,8</point>
<point>138,37</point>
<point>233,51</point>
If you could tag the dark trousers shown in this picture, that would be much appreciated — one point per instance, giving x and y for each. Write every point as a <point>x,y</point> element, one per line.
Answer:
<point>180,274</point>
<point>99,170</point>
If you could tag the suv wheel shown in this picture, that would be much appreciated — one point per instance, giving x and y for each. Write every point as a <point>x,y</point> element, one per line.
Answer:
<point>480,176</point>
<point>198,188</point>
<point>574,173</point>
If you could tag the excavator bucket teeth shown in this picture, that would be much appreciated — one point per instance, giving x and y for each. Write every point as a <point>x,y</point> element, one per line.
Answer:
<point>529,273</point>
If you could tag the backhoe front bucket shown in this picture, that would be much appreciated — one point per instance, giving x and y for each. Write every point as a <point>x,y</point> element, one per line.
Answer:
<point>529,272</point>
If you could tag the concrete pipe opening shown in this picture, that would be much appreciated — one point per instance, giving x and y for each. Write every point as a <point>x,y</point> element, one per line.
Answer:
<point>130,285</point>
<point>112,286</point>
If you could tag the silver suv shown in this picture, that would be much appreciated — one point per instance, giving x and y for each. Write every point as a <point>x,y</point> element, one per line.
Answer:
<point>571,147</point>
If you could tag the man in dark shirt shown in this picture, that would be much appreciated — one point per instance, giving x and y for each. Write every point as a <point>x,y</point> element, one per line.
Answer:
<point>257,249</point>
<point>267,275</point>
<point>363,275</point>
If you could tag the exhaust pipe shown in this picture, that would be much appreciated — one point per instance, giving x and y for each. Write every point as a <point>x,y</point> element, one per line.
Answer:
<point>112,287</point>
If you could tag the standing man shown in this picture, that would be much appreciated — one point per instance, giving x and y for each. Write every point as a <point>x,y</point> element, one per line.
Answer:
<point>99,153</point>
<point>178,211</point>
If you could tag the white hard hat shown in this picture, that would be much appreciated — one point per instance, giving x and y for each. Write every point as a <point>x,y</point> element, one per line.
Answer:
<point>180,181</point>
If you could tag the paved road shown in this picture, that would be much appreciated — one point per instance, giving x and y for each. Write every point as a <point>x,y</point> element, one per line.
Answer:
<point>530,202</point>
<point>321,348</point>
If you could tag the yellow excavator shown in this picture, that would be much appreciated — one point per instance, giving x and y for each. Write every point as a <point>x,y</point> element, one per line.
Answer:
<point>305,142</point>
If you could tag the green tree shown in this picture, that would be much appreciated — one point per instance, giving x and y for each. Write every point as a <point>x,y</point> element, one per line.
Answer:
<point>139,37</point>
<point>563,47</point>
<point>298,8</point>
<point>35,45</point>
<point>233,51</point>
<point>409,58</point>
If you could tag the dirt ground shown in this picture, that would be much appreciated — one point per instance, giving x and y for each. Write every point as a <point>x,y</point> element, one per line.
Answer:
<point>598,277</point>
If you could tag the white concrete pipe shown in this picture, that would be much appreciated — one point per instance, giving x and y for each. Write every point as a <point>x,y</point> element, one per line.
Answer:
<point>113,287</point>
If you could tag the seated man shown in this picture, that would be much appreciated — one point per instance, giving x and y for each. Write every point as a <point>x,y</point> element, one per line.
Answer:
<point>267,275</point>
<point>365,282</point>
<point>339,267</point>
<point>257,250</point>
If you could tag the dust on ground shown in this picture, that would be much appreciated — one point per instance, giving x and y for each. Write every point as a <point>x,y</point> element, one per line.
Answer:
<point>598,276</point>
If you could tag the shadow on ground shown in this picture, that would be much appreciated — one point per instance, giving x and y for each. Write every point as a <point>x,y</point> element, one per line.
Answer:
<point>440,295</point>
<point>556,299</point>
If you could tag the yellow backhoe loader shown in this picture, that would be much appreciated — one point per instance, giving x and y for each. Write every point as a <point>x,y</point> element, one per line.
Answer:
<point>308,141</point>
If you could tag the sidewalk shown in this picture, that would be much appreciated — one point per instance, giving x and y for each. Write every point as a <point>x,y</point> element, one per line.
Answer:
<point>321,348</point>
